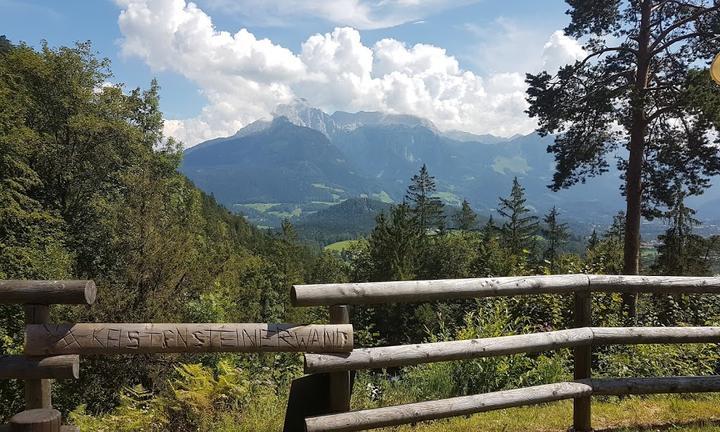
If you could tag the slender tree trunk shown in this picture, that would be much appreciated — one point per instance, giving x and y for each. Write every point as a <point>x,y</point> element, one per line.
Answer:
<point>633,187</point>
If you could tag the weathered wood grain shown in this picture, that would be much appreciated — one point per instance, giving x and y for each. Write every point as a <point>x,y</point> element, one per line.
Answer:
<point>38,392</point>
<point>91,338</point>
<point>431,410</point>
<point>47,292</point>
<point>36,420</point>
<point>66,428</point>
<point>35,368</point>
<point>582,361</point>
<point>654,385</point>
<point>654,284</point>
<point>340,382</point>
<point>654,335</point>
<point>429,290</point>
<point>406,355</point>
<point>421,291</point>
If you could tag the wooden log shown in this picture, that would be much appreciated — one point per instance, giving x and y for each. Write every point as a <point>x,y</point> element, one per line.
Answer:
<point>340,385</point>
<point>654,335</point>
<point>66,428</point>
<point>421,291</point>
<point>428,290</point>
<point>654,284</point>
<point>38,392</point>
<point>90,338</point>
<point>35,368</point>
<point>36,420</point>
<point>47,292</point>
<point>431,410</point>
<point>582,361</point>
<point>406,355</point>
<point>654,385</point>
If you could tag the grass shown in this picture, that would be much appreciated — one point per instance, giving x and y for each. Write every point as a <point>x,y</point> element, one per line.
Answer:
<point>260,207</point>
<point>329,188</point>
<point>341,245</point>
<point>656,413</point>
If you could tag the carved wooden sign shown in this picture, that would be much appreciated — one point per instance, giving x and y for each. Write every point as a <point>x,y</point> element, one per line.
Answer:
<point>91,338</point>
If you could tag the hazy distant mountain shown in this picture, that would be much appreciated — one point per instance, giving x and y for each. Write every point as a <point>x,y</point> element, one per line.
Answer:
<point>458,135</point>
<point>305,160</point>
<point>301,113</point>
<point>280,163</point>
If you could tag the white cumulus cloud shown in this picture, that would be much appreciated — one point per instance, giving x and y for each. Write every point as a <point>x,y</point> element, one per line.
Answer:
<point>361,14</point>
<point>244,78</point>
<point>561,50</point>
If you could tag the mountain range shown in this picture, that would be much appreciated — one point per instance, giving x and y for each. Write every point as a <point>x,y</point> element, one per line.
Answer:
<point>304,161</point>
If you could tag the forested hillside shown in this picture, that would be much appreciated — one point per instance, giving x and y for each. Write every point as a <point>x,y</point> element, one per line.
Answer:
<point>91,189</point>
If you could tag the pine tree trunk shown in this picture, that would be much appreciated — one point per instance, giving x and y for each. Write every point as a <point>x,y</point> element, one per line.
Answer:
<point>633,187</point>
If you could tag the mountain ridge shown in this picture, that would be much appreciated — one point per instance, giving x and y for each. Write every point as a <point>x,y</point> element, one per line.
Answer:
<point>332,158</point>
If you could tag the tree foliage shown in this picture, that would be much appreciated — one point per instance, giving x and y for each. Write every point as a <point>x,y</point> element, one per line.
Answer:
<point>556,235</point>
<point>424,205</point>
<point>637,96</point>
<point>466,219</point>
<point>89,188</point>
<point>519,228</point>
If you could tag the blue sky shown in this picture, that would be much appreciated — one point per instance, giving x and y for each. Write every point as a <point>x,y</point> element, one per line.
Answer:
<point>459,63</point>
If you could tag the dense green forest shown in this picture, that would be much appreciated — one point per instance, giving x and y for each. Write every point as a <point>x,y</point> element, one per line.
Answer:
<point>90,189</point>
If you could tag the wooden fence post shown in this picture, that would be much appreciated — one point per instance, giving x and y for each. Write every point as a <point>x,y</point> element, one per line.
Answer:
<point>582,356</point>
<point>340,386</point>
<point>37,391</point>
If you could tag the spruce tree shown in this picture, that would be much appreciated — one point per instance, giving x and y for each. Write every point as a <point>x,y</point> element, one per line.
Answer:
<point>393,245</point>
<point>681,252</point>
<point>606,256</point>
<point>556,235</point>
<point>640,73</point>
<point>466,219</point>
<point>593,241</point>
<point>519,229</point>
<point>427,209</point>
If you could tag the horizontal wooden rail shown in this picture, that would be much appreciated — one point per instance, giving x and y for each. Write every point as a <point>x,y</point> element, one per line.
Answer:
<point>91,338</point>
<point>68,428</point>
<point>654,335</point>
<point>47,292</point>
<point>445,289</point>
<point>428,290</point>
<point>432,410</point>
<point>406,355</point>
<point>56,367</point>
<point>654,385</point>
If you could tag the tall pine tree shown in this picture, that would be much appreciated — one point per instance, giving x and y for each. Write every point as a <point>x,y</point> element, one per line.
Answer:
<point>426,208</point>
<point>639,74</point>
<point>681,253</point>
<point>466,219</point>
<point>519,229</point>
<point>556,235</point>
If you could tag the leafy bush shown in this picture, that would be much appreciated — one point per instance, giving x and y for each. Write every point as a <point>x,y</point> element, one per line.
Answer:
<point>198,399</point>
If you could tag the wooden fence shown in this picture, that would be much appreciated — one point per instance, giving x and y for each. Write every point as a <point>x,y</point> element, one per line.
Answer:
<point>320,401</point>
<point>580,339</point>
<point>52,350</point>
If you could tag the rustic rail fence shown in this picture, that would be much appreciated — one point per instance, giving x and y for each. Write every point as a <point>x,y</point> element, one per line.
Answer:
<point>580,339</point>
<point>322,402</point>
<point>52,350</point>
